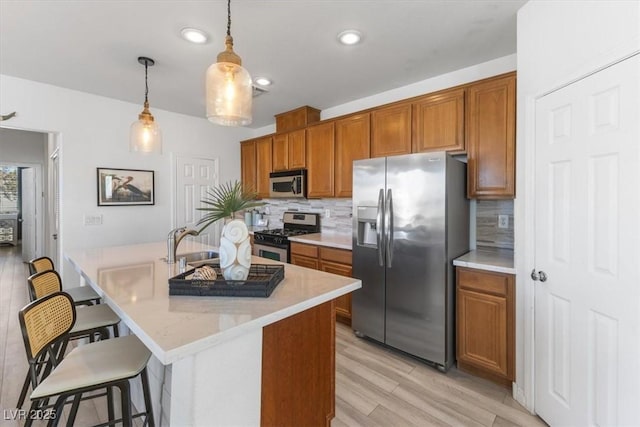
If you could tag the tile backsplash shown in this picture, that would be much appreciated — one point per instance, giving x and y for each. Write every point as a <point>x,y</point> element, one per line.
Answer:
<point>340,211</point>
<point>487,231</point>
<point>339,220</point>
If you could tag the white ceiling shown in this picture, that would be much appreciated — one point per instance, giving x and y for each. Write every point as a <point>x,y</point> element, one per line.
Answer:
<point>92,46</point>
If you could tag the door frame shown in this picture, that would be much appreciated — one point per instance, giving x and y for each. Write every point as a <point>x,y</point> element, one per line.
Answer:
<point>524,256</point>
<point>40,214</point>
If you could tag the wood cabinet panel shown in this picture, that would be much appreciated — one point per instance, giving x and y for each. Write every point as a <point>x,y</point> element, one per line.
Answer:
<point>248,164</point>
<point>490,134</point>
<point>289,150</point>
<point>298,369</point>
<point>320,160</point>
<point>297,118</point>
<point>280,152</point>
<point>263,165</point>
<point>353,136</point>
<point>297,149</point>
<point>304,250</point>
<point>304,261</point>
<point>391,130</point>
<point>438,122</point>
<point>341,256</point>
<point>485,316</point>
<point>343,303</point>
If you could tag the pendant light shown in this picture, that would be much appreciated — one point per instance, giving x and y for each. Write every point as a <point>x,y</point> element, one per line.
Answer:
<point>228,86</point>
<point>145,135</point>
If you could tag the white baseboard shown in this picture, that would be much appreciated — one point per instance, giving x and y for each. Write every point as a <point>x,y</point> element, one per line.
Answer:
<point>518,396</point>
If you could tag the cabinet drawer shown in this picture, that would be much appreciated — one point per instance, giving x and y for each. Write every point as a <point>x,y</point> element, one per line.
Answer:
<point>487,282</point>
<point>302,249</point>
<point>336,255</point>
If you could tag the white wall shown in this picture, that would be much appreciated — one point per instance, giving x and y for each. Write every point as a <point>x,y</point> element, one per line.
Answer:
<point>558,41</point>
<point>94,132</point>
<point>22,147</point>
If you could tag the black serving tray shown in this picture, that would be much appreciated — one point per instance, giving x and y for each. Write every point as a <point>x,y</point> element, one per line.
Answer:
<point>262,280</point>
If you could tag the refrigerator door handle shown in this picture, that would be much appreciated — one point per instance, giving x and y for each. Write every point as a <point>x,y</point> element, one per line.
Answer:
<point>379,226</point>
<point>389,228</point>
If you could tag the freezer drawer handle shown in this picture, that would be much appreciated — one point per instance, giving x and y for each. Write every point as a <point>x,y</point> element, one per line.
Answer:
<point>379,227</point>
<point>389,228</point>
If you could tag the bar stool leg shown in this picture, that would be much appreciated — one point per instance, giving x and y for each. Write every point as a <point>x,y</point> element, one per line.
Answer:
<point>110,411</point>
<point>125,399</point>
<point>149,420</point>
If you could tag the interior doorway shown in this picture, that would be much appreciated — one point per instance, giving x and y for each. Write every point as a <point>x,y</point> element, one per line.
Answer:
<point>24,188</point>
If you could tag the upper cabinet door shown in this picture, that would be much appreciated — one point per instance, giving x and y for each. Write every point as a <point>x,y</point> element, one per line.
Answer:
<point>491,135</point>
<point>248,164</point>
<point>280,152</point>
<point>297,149</point>
<point>352,143</point>
<point>438,122</point>
<point>391,130</point>
<point>263,165</point>
<point>320,160</point>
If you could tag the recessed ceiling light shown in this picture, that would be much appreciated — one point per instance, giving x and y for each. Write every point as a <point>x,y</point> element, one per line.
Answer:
<point>263,81</point>
<point>350,37</point>
<point>194,35</point>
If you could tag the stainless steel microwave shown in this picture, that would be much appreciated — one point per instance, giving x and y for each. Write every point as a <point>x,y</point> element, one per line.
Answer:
<point>288,184</point>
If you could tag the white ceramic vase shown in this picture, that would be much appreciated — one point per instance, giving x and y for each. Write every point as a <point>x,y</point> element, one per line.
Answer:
<point>235,250</point>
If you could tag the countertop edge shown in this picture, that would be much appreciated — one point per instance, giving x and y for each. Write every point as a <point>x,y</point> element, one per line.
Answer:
<point>327,244</point>
<point>485,267</point>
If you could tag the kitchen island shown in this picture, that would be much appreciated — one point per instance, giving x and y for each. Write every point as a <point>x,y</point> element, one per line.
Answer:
<point>225,360</point>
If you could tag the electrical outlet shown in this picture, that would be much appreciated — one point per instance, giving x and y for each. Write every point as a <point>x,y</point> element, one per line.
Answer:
<point>92,219</point>
<point>327,213</point>
<point>503,221</point>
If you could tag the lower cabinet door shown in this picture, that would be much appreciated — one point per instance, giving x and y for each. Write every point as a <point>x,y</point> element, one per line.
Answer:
<point>343,303</point>
<point>304,261</point>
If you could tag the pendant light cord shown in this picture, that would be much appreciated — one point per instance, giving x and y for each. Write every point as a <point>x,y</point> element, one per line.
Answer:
<point>146,81</point>
<point>228,17</point>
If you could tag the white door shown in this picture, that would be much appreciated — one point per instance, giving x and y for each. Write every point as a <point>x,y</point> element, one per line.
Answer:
<point>194,177</point>
<point>29,213</point>
<point>587,312</point>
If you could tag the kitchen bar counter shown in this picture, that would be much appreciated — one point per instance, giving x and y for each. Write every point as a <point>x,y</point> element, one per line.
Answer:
<point>213,344</point>
<point>331,240</point>
<point>489,259</point>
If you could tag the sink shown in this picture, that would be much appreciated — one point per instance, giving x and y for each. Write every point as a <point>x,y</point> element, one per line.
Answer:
<point>197,258</point>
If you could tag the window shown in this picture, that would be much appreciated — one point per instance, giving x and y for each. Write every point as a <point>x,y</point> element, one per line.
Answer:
<point>8,189</point>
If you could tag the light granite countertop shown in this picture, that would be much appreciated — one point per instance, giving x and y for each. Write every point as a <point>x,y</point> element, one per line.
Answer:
<point>133,281</point>
<point>331,240</point>
<point>489,259</point>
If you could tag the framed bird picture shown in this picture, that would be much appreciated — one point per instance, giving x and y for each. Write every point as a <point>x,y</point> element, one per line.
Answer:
<point>125,187</point>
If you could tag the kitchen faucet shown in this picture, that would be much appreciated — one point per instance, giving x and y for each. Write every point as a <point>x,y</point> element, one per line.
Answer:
<point>173,240</point>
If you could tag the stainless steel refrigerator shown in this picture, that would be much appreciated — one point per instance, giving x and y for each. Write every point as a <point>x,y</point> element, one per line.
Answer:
<point>410,220</point>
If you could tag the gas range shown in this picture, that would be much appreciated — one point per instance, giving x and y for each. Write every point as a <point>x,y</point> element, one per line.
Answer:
<point>274,243</point>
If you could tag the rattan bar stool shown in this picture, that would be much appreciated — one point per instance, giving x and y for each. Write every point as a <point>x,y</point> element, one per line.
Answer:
<point>82,295</point>
<point>91,322</point>
<point>102,365</point>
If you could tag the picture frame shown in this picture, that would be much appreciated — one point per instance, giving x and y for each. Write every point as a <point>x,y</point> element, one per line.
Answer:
<point>125,187</point>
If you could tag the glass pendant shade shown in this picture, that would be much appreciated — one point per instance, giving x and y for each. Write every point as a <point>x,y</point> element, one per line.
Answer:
<point>145,135</point>
<point>229,94</point>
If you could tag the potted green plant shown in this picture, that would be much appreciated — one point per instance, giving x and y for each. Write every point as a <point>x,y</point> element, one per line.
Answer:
<point>235,248</point>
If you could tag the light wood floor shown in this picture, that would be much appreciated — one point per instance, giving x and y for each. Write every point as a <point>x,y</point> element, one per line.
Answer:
<point>374,386</point>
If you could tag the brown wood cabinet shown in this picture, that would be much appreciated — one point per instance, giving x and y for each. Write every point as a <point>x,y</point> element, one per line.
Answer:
<point>491,135</point>
<point>298,369</point>
<point>486,324</point>
<point>331,260</point>
<point>289,150</point>
<point>263,165</point>
<point>353,136</point>
<point>248,164</point>
<point>391,130</point>
<point>295,119</point>
<point>320,154</point>
<point>438,122</point>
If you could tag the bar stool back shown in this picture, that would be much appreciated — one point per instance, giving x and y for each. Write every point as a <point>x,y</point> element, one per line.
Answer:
<point>91,321</point>
<point>45,325</point>
<point>82,295</point>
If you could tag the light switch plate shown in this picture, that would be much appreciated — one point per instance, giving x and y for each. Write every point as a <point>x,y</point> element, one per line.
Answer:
<point>92,219</point>
<point>503,221</point>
